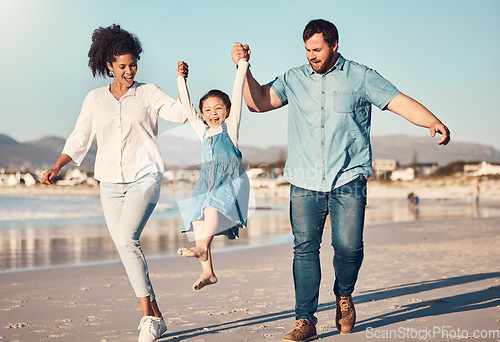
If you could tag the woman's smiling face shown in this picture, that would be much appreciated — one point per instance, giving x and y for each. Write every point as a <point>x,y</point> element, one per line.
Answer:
<point>124,67</point>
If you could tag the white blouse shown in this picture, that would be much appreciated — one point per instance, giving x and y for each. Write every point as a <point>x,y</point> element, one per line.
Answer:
<point>232,121</point>
<point>126,131</point>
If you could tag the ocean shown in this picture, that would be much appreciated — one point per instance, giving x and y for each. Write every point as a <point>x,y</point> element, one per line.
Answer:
<point>63,230</point>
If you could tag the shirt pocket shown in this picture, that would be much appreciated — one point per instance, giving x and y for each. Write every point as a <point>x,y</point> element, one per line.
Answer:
<point>344,101</point>
<point>351,112</point>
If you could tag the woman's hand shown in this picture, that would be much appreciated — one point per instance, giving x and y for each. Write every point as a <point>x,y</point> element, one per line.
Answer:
<point>54,172</point>
<point>49,175</point>
<point>182,69</point>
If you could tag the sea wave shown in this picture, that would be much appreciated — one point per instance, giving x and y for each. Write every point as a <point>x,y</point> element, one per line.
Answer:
<point>33,208</point>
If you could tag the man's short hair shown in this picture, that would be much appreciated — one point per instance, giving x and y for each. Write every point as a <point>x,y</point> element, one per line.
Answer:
<point>328,29</point>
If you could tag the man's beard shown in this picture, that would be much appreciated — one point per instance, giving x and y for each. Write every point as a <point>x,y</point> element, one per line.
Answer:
<point>325,66</point>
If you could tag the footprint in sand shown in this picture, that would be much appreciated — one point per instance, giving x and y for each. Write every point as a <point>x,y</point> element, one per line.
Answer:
<point>440,300</point>
<point>17,325</point>
<point>72,305</point>
<point>91,319</point>
<point>11,307</point>
<point>63,322</point>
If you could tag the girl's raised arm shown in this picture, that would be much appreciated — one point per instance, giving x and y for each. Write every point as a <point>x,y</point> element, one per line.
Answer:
<point>188,108</point>
<point>233,121</point>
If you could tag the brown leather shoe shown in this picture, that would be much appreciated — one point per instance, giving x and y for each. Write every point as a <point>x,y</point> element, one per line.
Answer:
<point>346,314</point>
<point>303,330</point>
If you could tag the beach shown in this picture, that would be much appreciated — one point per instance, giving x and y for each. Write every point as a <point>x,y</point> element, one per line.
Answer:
<point>422,279</point>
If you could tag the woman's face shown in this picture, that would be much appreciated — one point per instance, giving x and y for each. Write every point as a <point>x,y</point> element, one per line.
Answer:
<point>124,68</point>
<point>214,111</point>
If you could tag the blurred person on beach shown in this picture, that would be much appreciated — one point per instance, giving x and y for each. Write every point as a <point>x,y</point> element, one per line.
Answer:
<point>329,161</point>
<point>219,204</point>
<point>411,199</point>
<point>476,198</point>
<point>123,116</point>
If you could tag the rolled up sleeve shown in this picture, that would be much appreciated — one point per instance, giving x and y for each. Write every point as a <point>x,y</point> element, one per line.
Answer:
<point>278,85</point>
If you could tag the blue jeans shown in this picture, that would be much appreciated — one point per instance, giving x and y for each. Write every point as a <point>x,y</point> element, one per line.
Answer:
<point>308,212</point>
<point>127,208</point>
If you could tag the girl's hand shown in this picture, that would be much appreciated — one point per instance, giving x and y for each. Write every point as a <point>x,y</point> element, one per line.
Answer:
<point>182,69</point>
<point>240,51</point>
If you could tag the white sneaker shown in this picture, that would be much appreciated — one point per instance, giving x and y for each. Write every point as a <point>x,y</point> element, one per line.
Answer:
<point>151,328</point>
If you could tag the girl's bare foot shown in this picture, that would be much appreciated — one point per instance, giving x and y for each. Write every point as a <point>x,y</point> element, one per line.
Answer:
<point>197,252</point>
<point>204,281</point>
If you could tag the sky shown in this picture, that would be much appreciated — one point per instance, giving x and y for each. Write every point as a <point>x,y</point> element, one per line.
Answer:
<point>442,53</point>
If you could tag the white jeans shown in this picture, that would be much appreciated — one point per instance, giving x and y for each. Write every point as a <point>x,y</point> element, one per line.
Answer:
<point>127,207</point>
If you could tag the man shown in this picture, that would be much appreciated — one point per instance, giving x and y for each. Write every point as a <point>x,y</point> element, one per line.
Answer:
<point>329,161</point>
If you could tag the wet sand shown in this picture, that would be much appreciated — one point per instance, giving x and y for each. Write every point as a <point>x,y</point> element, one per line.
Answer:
<point>427,279</point>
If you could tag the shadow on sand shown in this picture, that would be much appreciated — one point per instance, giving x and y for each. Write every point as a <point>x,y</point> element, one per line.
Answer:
<point>439,306</point>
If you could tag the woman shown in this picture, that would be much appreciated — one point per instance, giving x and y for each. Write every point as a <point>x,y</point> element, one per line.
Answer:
<point>124,118</point>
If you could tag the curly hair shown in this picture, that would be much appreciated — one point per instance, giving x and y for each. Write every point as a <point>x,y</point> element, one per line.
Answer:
<point>328,29</point>
<point>109,42</point>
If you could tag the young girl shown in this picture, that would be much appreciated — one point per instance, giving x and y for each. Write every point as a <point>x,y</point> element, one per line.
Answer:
<point>219,205</point>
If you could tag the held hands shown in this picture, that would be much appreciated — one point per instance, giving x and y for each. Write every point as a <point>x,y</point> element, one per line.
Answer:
<point>240,51</point>
<point>182,69</point>
<point>438,127</point>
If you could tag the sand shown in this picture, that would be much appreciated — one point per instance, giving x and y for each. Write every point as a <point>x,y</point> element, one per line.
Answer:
<point>433,280</point>
<point>421,280</point>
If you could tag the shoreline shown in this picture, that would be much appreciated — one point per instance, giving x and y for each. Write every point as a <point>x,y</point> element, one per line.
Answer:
<point>277,239</point>
<point>38,243</point>
<point>416,276</point>
<point>81,237</point>
<point>449,187</point>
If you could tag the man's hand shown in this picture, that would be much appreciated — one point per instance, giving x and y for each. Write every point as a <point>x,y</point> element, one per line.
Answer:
<point>417,114</point>
<point>240,51</point>
<point>438,127</point>
<point>182,69</point>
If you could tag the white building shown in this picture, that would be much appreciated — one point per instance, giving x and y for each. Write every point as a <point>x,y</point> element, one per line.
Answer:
<point>381,166</point>
<point>18,178</point>
<point>403,174</point>
<point>76,177</point>
<point>486,169</point>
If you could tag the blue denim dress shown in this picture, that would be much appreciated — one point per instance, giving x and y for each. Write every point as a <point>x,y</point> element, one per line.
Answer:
<point>223,185</point>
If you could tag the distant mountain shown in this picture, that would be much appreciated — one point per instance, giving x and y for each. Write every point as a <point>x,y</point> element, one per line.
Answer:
<point>42,153</point>
<point>179,151</point>
<point>402,148</point>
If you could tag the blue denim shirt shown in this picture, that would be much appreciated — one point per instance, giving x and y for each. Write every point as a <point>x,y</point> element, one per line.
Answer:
<point>329,118</point>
